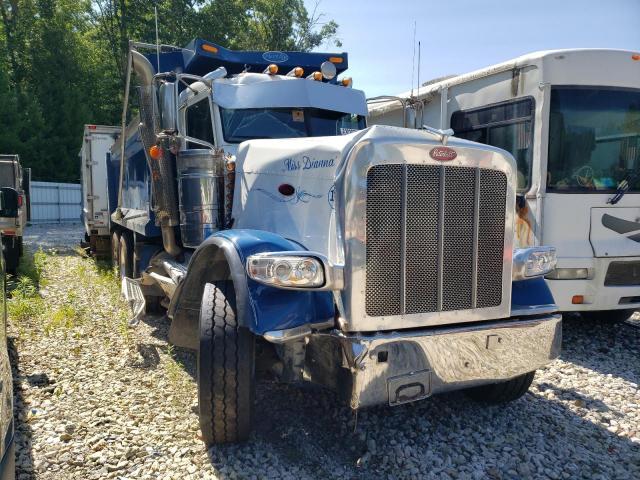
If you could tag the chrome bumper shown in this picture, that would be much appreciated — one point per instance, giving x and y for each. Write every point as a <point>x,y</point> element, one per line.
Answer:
<point>402,367</point>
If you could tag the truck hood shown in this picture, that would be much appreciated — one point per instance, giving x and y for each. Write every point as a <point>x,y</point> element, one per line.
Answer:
<point>287,187</point>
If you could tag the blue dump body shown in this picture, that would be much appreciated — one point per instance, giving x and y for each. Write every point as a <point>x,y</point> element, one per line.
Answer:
<point>199,57</point>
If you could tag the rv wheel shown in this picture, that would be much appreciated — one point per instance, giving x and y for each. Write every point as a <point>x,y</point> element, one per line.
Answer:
<point>226,368</point>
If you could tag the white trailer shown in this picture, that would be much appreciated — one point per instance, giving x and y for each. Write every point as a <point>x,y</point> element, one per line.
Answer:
<point>571,118</point>
<point>96,145</point>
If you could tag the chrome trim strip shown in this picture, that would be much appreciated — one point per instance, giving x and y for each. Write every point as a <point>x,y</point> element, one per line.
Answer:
<point>403,241</point>
<point>537,310</point>
<point>296,333</point>
<point>441,238</point>
<point>476,228</point>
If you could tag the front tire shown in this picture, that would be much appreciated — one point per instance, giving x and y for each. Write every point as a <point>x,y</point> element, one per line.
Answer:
<point>226,368</point>
<point>502,392</point>
<point>609,316</point>
<point>11,254</point>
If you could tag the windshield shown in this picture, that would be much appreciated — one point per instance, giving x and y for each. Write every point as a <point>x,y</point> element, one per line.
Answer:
<point>594,139</point>
<point>7,175</point>
<point>239,125</point>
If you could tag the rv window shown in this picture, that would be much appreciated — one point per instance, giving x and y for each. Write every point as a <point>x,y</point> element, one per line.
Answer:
<point>594,139</point>
<point>507,125</point>
<point>198,120</point>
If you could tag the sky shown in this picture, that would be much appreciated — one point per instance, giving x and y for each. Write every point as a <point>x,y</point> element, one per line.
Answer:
<point>458,36</point>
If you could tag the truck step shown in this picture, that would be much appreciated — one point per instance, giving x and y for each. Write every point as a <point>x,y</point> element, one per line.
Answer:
<point>132,293</point>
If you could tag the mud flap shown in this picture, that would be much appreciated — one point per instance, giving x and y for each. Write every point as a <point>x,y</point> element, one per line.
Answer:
<point>184,331</point>
<point>132,293</point>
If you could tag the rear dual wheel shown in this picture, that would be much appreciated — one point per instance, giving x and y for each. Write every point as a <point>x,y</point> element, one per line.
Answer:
<point>125,257</point>
<point>115,251</point>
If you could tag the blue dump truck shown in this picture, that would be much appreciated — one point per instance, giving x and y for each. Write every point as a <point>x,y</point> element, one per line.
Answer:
<point>249,199</point>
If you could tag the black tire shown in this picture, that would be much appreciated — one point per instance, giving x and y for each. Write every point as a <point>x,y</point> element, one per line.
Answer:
<point>609,316</point>
<point>126,255</point>
<point>226,369</point>
<point>115,251</point>
<point>504,391</point>
<point>11,255</point>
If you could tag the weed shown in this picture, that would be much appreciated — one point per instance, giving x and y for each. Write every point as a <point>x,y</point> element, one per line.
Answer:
<point>64,318</point>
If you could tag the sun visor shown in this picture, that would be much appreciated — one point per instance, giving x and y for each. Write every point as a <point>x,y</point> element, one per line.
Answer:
<point>292,93</point>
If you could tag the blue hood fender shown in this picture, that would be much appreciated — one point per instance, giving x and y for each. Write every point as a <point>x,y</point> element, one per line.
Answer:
<point>260,308</point>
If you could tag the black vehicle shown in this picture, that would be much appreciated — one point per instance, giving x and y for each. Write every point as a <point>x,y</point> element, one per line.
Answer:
<point>8,204</point>
<point>13,221</point>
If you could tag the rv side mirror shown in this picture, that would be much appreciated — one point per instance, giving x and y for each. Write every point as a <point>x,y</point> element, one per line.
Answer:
<point>167,93</point>
<point>9,202</point>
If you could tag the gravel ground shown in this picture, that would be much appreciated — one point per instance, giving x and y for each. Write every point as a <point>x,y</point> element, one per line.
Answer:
<point>95,399</point>
<point>61,237</point>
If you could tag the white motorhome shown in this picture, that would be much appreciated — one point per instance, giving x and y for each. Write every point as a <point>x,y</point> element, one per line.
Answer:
<point>571,118</point>
<point>96,145</point>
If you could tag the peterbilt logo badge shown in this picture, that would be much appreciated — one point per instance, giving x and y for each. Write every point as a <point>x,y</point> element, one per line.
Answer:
<point>443,154</point>
<point>275,57</point>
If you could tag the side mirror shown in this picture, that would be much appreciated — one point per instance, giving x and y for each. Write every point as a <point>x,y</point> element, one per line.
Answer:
<point>9,202</point>
<point>167,93</point>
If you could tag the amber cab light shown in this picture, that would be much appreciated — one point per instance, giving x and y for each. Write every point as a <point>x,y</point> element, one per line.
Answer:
<point>272,69</point>
<point>635,56</point>
<point>209,48</point>
<point>577,299</point>
<point>155,152</point>
<point>296,72</point>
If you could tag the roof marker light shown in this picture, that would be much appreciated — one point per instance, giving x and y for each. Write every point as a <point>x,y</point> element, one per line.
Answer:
<point>335,59</point>
<point>635,56</point>
<point>317,76</point>
<point>346,82</point>
<point>296,72</point>
<point>272,69</point>
<point>209,48</point>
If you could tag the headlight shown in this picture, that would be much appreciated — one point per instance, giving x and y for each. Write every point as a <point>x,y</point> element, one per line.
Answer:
<point>568,274</point>
<point>286,270</point>
<point>533,262</point>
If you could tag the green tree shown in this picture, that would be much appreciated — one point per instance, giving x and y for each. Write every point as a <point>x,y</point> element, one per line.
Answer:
<point>62,62</point>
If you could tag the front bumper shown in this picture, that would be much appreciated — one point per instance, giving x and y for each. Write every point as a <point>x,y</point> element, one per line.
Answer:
<point>399,367</point>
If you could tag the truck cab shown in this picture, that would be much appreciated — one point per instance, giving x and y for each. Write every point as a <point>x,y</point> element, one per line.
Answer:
<point>280,233</point>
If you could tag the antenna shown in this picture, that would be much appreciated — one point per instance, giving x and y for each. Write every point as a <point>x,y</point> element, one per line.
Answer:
<point>413,61</point>
<point>155,11</point>
<point>418,69</point>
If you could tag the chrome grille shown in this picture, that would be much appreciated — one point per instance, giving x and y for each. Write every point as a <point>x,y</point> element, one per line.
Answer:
<point>434,238</point>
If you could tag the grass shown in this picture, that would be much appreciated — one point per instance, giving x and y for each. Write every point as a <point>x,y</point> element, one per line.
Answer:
<point>27,305</point>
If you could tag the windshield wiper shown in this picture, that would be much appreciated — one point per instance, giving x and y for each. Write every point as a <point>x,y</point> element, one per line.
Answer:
<point>623,187</point>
